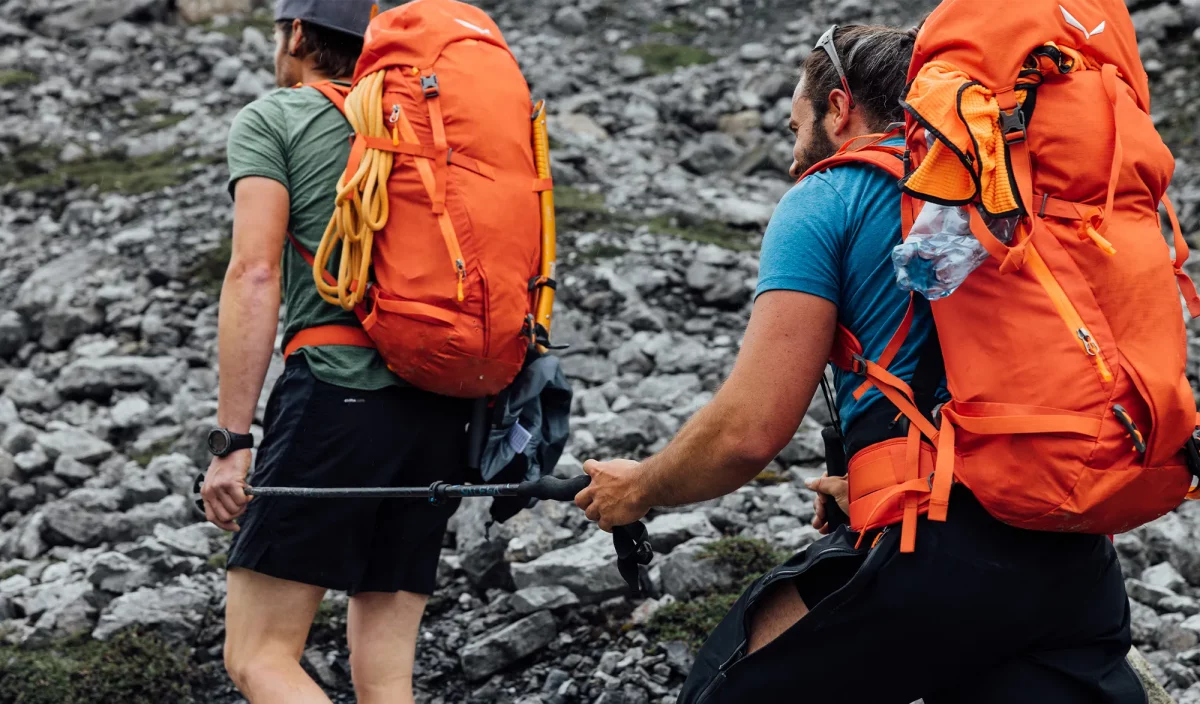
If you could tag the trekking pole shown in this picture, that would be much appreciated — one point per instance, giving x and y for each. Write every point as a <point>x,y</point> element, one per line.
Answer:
<point>631,542</point>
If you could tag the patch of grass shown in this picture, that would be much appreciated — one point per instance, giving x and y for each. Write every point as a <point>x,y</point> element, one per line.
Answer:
<point>11,572</point>
<point>236,25</point>
<point>146,107</point>
<point>772,476</point>
<point>328,613</point>
<point>571,199</point>
<point>690,621</point>
<point>665,58</point>
<point>701,230</point>
<point>116,173</point>
<point>747,558</point>
<point>130,668</point>
<point>600,251</point>
<point>684,29</point>
<point>218,561</point>
<point>209,270</point>
<point>12,78</point>
<point>160,123</point>
<point>159,447</point>
<point>26,162</point>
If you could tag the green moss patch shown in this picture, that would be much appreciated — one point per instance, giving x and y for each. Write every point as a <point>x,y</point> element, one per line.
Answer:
<point>684,29</point>
<point>693,620</point>
<point>747,558</point>
<point>209,270</point>
<point>236,25</point>
<point>11,78</point>
<point>131,668</point>
<point>772,476</point>
<point>665,58</point>
<point>568,199</point>
<point>161,446</point>
<point>702,230</point>
<point>116,173</point>
<point>218,561</point>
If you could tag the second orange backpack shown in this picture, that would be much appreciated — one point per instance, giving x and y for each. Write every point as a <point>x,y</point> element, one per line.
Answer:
<point>438,232</point>
<point>1065,352</point>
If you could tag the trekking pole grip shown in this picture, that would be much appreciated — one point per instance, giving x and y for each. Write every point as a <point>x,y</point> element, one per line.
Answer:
<point>551,488</point>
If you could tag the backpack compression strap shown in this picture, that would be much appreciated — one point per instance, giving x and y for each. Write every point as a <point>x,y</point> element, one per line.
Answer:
<point>326,335</point>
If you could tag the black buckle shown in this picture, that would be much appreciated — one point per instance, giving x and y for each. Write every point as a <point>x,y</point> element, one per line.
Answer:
<point>858,365</point>
<point>429,85</point>
<point>543,282</point>
<point>1012,125</point>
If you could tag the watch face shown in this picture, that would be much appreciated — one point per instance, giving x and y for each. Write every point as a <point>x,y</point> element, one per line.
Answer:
<point>218,442</point>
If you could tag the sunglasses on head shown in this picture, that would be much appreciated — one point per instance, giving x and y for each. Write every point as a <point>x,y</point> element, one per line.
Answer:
<point>826,43</point>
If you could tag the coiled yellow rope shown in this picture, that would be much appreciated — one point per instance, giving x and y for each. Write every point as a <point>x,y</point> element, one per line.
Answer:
<point>361,208</point>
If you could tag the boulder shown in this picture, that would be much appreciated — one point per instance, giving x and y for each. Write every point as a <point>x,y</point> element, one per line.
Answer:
<point>671,529</point>
<point>588,569</point>
<point>531,599</point>
<point>98,377</point>
<point>497,650</point>
<point>176,612</point>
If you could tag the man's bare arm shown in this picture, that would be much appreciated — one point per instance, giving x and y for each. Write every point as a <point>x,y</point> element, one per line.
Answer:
<point>249,315</point>
<point>250,297</point>
<point>750,420</point>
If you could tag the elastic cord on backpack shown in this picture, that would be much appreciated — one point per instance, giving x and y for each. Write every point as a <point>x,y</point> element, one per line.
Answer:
<point>361,208</point>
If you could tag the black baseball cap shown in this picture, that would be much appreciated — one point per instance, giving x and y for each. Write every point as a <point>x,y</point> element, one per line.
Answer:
<point>349,16</point>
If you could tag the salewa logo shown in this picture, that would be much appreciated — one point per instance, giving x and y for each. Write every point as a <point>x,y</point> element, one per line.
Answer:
<point>1079,25</point>
<point>475,27</point>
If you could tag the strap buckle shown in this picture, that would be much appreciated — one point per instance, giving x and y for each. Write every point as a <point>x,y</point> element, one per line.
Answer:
<point>429,86</point>
<point>858,365</point>
<point>1012,125</point>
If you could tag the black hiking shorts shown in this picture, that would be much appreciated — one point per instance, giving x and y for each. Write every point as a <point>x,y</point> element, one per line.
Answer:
<point>981,613</point>
<point>321,435</point>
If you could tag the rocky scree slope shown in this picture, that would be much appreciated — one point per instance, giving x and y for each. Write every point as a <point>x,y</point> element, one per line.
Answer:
<point>668,121</point>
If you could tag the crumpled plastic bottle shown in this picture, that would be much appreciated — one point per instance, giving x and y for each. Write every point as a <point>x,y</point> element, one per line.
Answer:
<point>940,252</point>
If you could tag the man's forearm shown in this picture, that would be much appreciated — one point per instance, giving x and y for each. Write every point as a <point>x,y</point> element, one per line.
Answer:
<point>249,315</point>
<point>710,457</point>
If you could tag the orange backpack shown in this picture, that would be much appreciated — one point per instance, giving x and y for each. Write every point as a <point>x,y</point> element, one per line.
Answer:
<point>438,231</point>
<point>1065,351</point>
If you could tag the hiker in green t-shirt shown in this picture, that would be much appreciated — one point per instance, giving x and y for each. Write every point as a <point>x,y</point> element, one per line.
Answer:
<point>337,417</point>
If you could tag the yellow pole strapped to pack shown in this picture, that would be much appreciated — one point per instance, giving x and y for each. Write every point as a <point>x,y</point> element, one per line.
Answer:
<point>545,298</point>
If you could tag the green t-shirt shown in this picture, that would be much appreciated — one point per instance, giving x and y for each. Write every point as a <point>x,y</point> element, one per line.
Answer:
<point>297,137</point>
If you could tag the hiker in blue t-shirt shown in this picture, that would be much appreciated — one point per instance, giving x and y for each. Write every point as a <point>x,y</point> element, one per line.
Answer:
<point>977,613</point>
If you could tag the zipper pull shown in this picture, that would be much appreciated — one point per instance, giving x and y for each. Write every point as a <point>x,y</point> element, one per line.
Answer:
<point>1139,442</point>
<point>1089,344</point>
<point>462,276</point>
<point>395,114</point>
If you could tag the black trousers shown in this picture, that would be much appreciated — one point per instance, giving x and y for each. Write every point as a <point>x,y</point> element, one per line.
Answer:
<point>981,613</point>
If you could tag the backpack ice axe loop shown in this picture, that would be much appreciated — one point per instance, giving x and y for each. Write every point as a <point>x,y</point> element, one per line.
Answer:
<point>632,542</point>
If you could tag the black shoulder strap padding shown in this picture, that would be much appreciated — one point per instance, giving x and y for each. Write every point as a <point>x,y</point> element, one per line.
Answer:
<point>931,368</point>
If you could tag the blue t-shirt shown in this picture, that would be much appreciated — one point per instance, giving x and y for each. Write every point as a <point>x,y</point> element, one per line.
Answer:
<point>832,236</point>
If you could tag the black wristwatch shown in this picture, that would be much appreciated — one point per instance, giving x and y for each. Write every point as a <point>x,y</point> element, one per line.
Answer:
<point>223,443</point>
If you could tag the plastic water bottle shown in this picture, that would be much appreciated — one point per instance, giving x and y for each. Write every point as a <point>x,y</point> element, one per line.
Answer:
<point>941,252</point>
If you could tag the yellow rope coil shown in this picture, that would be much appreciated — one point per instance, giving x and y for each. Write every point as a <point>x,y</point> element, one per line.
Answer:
<point>361,208</point>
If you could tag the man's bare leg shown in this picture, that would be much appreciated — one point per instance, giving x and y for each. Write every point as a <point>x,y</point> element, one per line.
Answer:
<point>780,609</point>
<point>382,631</point>
<point>266,623</point>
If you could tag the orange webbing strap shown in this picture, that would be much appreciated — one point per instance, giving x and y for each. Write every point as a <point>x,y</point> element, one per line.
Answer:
<point>1108,76</point>
<point>901,395</point>
<point>429,180</point>
<point>437,123</point>
<point>336,94</point>
<point>912,499</point>
<point>327,336</point>
<point>308,257</point>
<point>541,185</point>
<point>845,348</point>
<point>893,345</point>
<point>1010,258</point>
<point>421,151</point>
<point>1186,285</point>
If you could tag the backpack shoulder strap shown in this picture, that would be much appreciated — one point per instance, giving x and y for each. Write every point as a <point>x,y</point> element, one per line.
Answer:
<point>336,93</point>
<point>868,149</point>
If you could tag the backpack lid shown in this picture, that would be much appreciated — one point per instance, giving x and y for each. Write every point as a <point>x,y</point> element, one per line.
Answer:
<point>416,33</point>
<point>992,40</point>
